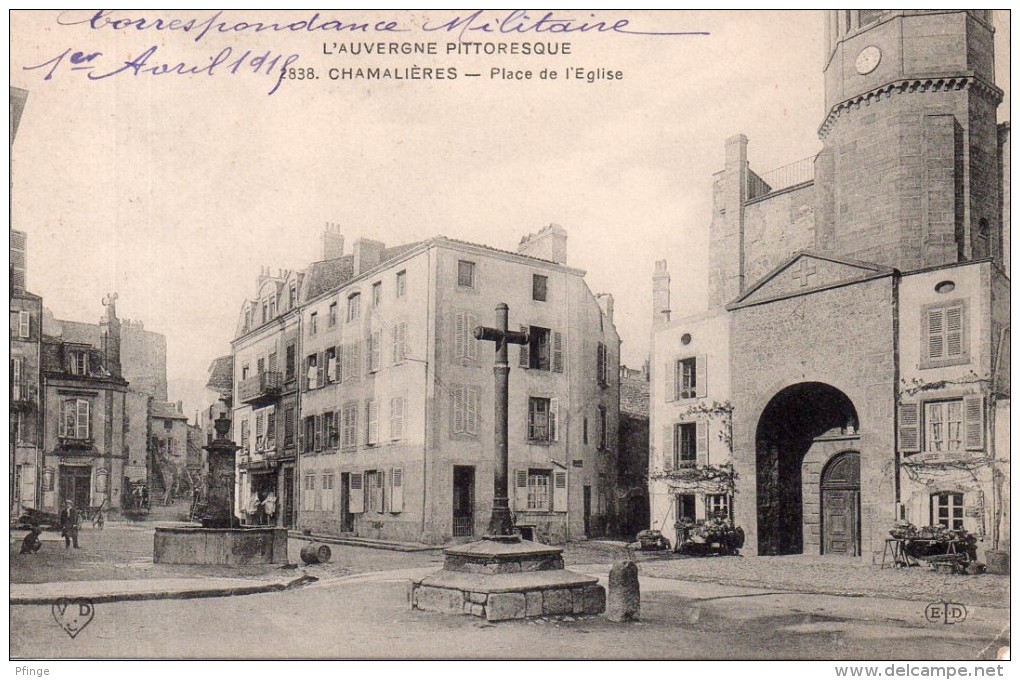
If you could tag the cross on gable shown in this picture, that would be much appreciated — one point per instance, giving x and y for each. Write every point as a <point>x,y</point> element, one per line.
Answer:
<point>803,272</point>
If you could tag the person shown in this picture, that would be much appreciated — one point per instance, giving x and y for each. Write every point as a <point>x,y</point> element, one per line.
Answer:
<point>145,497</point>
<point>270,506</point>
<point>253,507</point>
<point>136,497</point>
<point>70,520</point>
<point>31,544</point>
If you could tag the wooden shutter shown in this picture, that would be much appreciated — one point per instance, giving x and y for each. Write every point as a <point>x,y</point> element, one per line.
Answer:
<point>525,351</point>
<point>471,410</point>
<point>670,383</point>
<point>356,497</point>
<point>954,331</point>
<point>339,363</point>
<point>470,342</point>
<point>701,375</point>
<point>701,442</point>
<point>28,486</point>
<point>554,420</point>
<point>520,497</point>
<point>320,369</point>
<point>83,426</point>
<point>331,368</point>
<point>559,495</point>
<point>557,352</point>
<point>936,333</point>
<point>396,490</point>
<point>403,341</point>
<point>457,410</point>
<point>318,432</point>
<point>668,447</point>
<point>397,417</point>
<point>974,422</point>
<point>460,336</point>
<point>380,490</point>
<point>373,421</point>
<point>355,350</point>
<point>910,427</point>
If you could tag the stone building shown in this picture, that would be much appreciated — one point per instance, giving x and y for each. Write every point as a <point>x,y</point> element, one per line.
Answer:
<point>84,419</point>
<point>394,423</point>
<point>852,367</point>
<point>632,456</point>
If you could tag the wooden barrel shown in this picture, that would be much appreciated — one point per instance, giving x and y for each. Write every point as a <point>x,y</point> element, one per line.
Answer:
<point>316,553</point>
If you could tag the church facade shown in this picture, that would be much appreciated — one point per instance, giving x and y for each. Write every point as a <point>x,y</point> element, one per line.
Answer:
<point>852,368</point>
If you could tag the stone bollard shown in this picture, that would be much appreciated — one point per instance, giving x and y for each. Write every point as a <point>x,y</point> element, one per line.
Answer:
<point>624,602</point>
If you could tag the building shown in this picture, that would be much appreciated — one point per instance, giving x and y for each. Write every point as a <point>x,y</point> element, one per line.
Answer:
<point>852,367</point>
<point>84,419</point>
<point>632,455</point>
<point>170,476</point>
<point>395,394</point>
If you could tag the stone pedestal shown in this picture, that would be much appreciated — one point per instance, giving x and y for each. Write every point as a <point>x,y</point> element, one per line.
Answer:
<point>234,547</point>
<point>500,579</point>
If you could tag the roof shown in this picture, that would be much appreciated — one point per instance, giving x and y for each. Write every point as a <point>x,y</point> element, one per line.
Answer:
<point>635,394</point>
<point>326,275</point>
<point>161,409</point>
<point>221,374</point>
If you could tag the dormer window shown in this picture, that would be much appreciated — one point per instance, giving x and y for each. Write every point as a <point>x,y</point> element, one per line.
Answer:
<point>79,362</point>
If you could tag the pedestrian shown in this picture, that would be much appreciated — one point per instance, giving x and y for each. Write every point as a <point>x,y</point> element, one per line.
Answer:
<point>145,497</point>
<point>253,508</point>
<point>270,506</point>
<point>70,520</point>
<point>31,544</point>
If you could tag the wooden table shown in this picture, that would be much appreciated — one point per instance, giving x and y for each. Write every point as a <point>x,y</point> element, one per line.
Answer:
<point>896,550</point>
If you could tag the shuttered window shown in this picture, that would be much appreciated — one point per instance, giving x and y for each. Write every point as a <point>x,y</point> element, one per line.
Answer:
<point>542,414</point>
<point>288,426</point>
<point>350,425</point>
<point>372,408</point>
<point>944,341</point>
<point>397,417</point>
<point>687,378</point>
<point>76,420</point>
<point>465,346</point>
<point>464,409</point>
<point>399,337</point>
<point>396,489</point>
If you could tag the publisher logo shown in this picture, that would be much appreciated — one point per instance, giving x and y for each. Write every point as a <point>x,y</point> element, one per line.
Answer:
<point>946,613</point>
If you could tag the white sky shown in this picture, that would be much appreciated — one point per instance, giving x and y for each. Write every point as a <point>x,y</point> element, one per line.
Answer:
<point>174,190</point>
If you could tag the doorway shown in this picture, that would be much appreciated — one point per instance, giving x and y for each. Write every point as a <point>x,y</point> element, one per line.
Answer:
<point>346,518</point>
<point>841,505</point>
<point>587,511</point>
<point>76,485</point>
<point>463,500</point>
<point>288,497</point>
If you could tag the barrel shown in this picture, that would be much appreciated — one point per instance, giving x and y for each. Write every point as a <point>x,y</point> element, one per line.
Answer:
<point>315,553</point>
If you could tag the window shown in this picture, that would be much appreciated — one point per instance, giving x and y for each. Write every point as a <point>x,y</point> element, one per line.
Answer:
<point>584,430</point>
<point>24,324</point>
<point>291,361</point>
<point>353,307</point>
<point>466,274</point>
<point>16,378</point>
<point>465,345</point>
<point>75,423</point>
<point>313,323</point>
<point>398,409</point>
<point>375,499</point>
<point>944,425</point>
<point>602,364</point>
<point>332,314</point>
<point>245,435</point>
<point>312,372</point>
<point>947,510</point>
<point>399,342</point>
<point>377,293</point>
<point>544,350</point>
<point>292,296</point>
<point>945,341</point>
<point>273,362</point>
<point>539,287</point>
<point>330,435</point>
<point>309,438</point>
<point>308,497</point>
<point>260,431</point>
<point>288,426</point>
<point>350,425</point>
<point>260,365</point>
<point>329,360</point>
<point>327,492</point>
<point>79,361</point>
<point>538,489</point>
<point>465,410</point>
<point>372,415</point>
<point>539,358</point>
<point>542,419</point>
<point>401,284</point>
<point>352,361</point>
<point>685,506</point>
<point>717,506</point>
<point>687,446</point>
<point>603,429</point>
<point>374,351</point>
<point>687,378</point>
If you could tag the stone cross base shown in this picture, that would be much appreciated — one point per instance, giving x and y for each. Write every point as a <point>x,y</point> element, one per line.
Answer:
<point>500,581</point>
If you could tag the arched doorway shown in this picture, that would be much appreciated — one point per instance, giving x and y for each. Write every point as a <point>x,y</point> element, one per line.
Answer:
<point>841,505</point>
<point>790,423</point>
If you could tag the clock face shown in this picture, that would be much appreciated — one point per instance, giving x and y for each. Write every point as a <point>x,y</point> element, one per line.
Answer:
<point>867,60</point>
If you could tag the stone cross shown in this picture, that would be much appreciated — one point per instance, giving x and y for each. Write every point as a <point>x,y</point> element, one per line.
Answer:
<point>803,272</point>
<point>501,525</point>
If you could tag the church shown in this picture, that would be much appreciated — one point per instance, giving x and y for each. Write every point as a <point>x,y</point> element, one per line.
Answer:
<point>852,367</point>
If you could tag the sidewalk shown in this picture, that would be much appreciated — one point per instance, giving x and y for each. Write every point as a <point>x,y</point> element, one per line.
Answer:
<point>147,589</point>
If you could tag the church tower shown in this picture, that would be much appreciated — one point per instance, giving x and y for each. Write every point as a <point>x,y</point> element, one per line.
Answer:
<point>908,174</point>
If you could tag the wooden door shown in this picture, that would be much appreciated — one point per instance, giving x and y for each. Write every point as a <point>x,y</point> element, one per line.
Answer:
<point>840,522</point>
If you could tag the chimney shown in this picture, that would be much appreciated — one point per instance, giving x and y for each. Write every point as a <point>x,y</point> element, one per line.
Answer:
<point>646,370</point>
<point>263,275</point>
<point>110,327</point>
<point>605,301</point>
<point>660,294</point>
<point>180,406</point>
<point>332,242</point>
<point>550,243</point>
<point>367,255</point>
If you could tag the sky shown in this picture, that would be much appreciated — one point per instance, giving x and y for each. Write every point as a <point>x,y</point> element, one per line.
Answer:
<point>175,189</point>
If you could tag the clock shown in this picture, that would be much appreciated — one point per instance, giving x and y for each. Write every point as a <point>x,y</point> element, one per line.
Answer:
<point>867,60</point>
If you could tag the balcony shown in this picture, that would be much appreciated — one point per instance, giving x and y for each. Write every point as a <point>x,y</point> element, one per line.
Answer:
<point>260,389</point>
<point>75,442</point>
<point>24,396</point>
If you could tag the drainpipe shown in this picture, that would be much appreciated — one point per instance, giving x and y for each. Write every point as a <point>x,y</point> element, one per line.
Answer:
<point>990,433</point>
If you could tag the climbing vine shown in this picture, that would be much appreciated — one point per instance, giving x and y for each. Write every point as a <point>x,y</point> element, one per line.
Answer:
<point>722,410</point>
<point>722,475</point>
<point>918,386</point>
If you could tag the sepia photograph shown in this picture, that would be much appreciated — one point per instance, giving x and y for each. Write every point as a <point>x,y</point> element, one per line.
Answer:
<point>432,334</point>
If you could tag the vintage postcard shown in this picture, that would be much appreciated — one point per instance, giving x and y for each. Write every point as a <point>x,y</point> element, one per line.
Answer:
<point>523,334</point>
